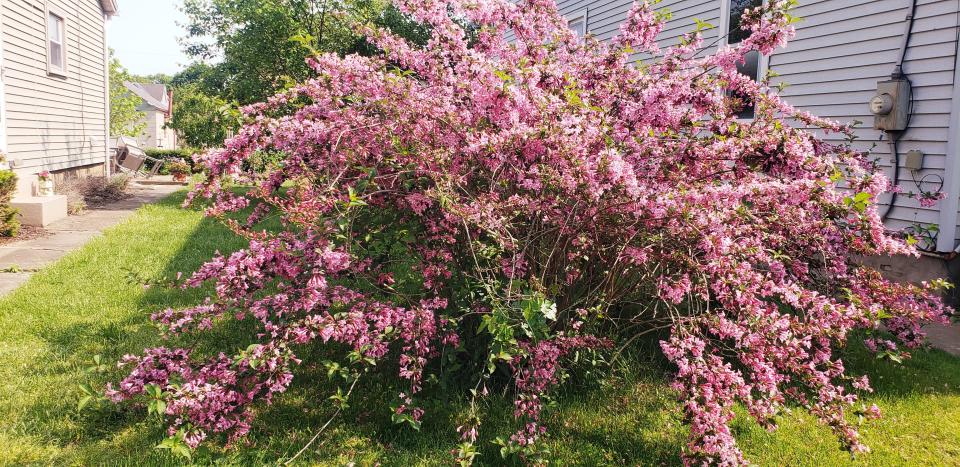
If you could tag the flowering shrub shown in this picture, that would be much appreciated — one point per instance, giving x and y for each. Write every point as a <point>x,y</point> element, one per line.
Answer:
<point>178,167</point>
<point>513,191</point>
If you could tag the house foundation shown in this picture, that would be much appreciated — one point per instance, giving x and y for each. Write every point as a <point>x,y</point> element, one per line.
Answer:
<point>44,210</point>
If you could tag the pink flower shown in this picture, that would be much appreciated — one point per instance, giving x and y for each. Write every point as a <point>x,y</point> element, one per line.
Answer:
<point>521,195</point>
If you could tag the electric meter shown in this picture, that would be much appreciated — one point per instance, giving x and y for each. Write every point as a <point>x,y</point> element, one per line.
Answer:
<point>881,104</point>
<point>891,105</point>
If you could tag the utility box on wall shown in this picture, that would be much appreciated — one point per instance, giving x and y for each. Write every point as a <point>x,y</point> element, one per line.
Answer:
<point>891,105</point>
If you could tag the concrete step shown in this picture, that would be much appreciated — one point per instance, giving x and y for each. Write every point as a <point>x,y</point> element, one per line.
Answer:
<point>41,210</point>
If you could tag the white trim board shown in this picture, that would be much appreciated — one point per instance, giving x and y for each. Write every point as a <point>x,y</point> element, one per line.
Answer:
<point>107,169</point>
<point>580,15</point>
<point>3,97</point>
<point>764,63</point>
<point>947,236</point>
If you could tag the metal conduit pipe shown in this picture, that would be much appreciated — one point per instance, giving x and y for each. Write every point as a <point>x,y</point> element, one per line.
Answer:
<point>894,137</point>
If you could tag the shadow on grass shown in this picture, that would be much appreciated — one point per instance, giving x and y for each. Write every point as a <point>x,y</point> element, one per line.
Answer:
<point>927,371</point>
<point>631,418</point>
<point>365,434</point>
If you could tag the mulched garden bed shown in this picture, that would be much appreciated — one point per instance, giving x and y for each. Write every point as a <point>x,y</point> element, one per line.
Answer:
<point>27,232</point>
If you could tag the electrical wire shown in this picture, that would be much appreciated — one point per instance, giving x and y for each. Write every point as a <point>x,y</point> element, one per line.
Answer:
<point>905,43</point>
<point>894,151</point>
<point>893,137</point>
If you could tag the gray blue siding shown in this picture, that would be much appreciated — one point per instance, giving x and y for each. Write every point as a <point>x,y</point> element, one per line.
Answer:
<point>842,48</point>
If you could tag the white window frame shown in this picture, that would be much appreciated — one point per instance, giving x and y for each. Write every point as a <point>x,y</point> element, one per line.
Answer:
<point>580,15</point>
<point>764,66</point>
<point>52,70</point>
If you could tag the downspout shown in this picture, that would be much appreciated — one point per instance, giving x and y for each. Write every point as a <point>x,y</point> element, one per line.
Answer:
<point>947,236</point>
<point>108,170</point>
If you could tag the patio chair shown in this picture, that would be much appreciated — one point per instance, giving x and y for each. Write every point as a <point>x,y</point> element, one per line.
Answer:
<point>130,159</point>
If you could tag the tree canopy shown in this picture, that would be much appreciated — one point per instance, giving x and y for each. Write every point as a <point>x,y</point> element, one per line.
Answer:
<point>125,119</point>
<point>202,121</point>
<point>247,50</point>
<point>262,45</point>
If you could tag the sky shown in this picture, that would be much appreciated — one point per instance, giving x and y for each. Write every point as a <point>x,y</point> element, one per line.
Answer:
<point>144,36</point>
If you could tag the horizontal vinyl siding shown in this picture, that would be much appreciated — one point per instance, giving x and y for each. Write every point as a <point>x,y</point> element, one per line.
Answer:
<point>844,47</point>
<point>54,123</point>
<point>605,16</point>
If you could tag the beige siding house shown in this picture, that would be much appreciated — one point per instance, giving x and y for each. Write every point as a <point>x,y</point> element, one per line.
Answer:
<point>157,107</point>
<point>54,109</point>
<point>842,49</point>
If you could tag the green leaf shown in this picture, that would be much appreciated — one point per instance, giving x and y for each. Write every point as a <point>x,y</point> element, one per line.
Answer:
<point>403,418</point>
<point>84,402</point>
<point>573,96</point>
<point>181,450</point>
<point>176,446</point>
<point>503,75</point>
<point>153,390</point>
<point>702,25</point>
<point>354,199</point>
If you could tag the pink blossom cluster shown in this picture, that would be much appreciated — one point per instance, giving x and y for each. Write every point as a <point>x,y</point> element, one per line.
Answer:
<point>429,189</point>
<point>536,372</point>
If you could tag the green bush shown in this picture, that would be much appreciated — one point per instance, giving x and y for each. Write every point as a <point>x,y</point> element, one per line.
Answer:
<point>262,161</point>
<point>171,155</point>
<point>9,223</point>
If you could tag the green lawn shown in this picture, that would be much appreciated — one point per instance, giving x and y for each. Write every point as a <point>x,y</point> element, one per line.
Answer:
<point>84,305</point>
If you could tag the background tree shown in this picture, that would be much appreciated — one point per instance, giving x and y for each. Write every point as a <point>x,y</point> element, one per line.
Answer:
<point>201,120</point>
<point>198,73</point>
<point>125,119</point>
<point>156,78</point>
<point>262,44</point>
<point>261,47</point>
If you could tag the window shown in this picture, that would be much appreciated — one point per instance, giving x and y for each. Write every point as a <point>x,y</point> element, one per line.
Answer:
<point>577,23</point>
<point>754,64</point>
<point>56,44</point>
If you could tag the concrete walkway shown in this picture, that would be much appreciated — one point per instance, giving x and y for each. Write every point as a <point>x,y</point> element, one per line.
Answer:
<point>946,338</point>
<point>19,260</point>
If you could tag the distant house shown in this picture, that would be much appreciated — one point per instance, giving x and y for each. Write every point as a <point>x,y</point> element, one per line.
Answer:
<point>834,67</point>
<point>54,108</point>
<point>157,106</point>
